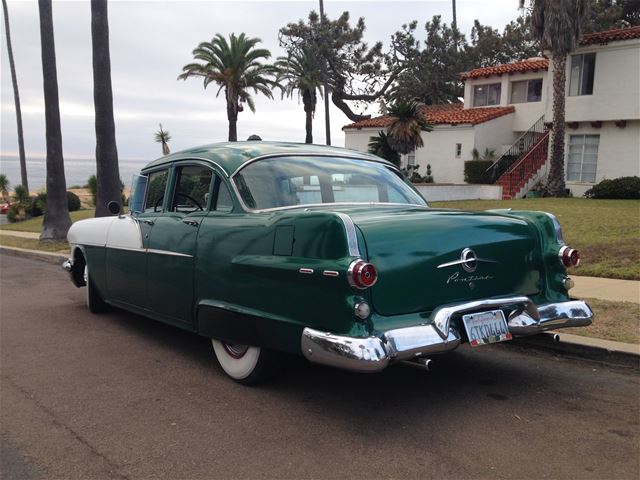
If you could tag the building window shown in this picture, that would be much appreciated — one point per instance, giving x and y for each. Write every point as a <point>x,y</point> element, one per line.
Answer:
<point>411,158</point>
<point>583,158</point>
<point>484,95</point>
<point>458,150</point>
<point>581,75</point>
<point>526,91</point>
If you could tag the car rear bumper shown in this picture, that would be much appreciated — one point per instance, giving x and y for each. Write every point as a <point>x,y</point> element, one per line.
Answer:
<point>374,353</point>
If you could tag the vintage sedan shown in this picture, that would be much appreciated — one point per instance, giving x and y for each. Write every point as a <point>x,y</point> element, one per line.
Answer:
<point>325,252</point>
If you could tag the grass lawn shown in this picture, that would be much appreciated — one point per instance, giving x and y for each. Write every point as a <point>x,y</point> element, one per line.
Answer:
<point>606,232</point>
<point>35,224</point>
<point>33,244</point>
<point>618,321</point>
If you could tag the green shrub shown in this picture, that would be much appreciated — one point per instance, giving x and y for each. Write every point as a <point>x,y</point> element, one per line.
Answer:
<point>13,214</point>
<point>621,188</point>
<point>474,171</point>
<point>39,203</point>
<point>73,202</point>
<point>92,185</point>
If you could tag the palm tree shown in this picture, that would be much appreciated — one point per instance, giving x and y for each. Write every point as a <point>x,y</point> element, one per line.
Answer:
<point>234,66</point>
<point>16,98</point>
<point>107,171</point>
<point>300,72</point>
<point>556,23</point>
<point>163,137</point>
<point>4,186</point>
<point>379,145</point>
<point>404,133</point>
<point>56,221</point>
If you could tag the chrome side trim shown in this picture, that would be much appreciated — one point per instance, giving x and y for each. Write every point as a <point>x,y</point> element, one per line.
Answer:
<point>167,252</point>
<point>372,354</point>
<point>352,236</point>
<point>464,261</point>
<point>307,271</point>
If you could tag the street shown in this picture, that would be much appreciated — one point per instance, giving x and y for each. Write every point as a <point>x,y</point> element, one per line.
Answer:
<point>120,396</point>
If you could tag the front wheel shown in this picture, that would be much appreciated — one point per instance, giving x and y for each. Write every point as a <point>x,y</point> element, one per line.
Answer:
<point>94,302</point>
<point>243,363</point>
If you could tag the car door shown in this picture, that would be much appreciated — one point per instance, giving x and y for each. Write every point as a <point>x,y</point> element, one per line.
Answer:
<point>126,256</point>
<point>172,243</point>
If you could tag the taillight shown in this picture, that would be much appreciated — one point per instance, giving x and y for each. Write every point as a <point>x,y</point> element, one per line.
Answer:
<point>362,274</point>
<point>569,257</point>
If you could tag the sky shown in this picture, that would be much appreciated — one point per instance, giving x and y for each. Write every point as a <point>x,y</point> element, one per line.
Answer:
<point>150,41</point>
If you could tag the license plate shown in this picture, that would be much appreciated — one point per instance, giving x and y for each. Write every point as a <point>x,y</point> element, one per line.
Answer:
<point>486,327</point>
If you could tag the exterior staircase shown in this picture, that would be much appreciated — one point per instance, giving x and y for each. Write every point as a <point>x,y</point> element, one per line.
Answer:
<point>521,165</point>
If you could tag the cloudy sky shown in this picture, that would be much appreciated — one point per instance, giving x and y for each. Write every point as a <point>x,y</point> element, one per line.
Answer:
<point>150,42</point>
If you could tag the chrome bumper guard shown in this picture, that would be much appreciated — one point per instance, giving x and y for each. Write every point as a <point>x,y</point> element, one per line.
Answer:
<point>372,354</point>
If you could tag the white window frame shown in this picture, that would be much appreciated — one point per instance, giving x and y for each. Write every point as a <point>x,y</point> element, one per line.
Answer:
<point>527,83</point>
<point>411,158</point>
<point>580,150</point>
<point>458,150</point>
<point>578,92</point>
<point>488,86</point>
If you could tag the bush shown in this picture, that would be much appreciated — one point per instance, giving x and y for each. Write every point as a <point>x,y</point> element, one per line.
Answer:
<point>474,171</point>
<point>73,202</point>
<point>13,214</point>
<point>92,185</point>
<point>621,188</point>
<point>39,203</point>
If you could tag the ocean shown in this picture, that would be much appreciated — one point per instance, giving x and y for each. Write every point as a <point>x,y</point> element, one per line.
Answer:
<point>77,171</point>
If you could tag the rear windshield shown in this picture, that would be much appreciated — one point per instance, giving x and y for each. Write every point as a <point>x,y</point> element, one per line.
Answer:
<point>290,181</point>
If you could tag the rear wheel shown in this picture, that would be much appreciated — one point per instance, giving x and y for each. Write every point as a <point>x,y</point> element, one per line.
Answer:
<point>243,363</point>
<point>94,301</point>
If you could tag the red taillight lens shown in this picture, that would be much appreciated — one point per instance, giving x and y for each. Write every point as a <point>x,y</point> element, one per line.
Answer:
<point>362,274</point>
<point>569,257</point>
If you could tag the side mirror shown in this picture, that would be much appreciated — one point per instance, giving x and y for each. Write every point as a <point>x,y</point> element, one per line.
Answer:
<point>113,207</point>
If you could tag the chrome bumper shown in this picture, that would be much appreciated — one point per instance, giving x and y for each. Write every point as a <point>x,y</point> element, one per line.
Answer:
<point>372,354</point>
<point>67,265</point>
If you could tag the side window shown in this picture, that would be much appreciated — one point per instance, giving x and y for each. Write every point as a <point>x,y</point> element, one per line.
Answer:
<point>224,203</point>
<point>192,189</point>
<point>155,191</point>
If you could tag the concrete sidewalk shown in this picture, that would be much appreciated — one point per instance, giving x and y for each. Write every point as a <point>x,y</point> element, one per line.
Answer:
<point>15,233</point>
<point>606,289</point>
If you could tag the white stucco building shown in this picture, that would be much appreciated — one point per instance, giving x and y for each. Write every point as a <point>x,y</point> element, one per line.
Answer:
<point>503,103</point>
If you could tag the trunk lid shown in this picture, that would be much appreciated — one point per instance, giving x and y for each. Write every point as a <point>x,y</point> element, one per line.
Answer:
<point>415,250</point>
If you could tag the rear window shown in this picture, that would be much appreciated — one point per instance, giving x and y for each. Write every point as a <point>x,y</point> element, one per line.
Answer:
<point>292,181</point>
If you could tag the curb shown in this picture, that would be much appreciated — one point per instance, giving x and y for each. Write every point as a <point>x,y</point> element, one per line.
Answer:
<point>604,351</point>
<point>49,257</point>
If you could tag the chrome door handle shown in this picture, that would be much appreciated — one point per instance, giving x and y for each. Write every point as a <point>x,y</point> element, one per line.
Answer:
<point>148,222</point>
<point>193,223</point>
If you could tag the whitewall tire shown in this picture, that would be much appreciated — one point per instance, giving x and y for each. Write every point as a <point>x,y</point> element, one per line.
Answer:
<point>243,363</point>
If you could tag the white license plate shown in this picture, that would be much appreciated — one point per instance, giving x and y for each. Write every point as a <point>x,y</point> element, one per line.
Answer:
<point>486,327</point>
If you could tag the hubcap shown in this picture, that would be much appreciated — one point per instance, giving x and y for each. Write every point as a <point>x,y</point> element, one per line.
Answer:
<point>235,350</point>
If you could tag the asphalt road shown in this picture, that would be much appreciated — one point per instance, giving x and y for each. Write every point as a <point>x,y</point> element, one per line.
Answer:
<point>120,396</point>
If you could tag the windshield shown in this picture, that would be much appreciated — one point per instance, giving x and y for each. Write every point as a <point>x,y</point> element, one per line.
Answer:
<point>136,199</point>
<point>290,181</point>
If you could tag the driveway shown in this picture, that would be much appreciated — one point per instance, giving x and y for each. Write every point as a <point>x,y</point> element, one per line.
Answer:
<point>120,396</point>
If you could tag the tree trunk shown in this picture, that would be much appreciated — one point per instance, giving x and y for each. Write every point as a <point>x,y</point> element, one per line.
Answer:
<point>107,172</point>
<point>307,100</point>
<point>16,98</point>
<point>56,216</point>
<point>232,116</point>
<point>555,180</point>
<point>165,148</point>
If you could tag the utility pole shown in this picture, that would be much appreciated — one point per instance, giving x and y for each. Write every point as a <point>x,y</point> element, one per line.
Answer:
<point>455,24</point>
<point>327,123</point>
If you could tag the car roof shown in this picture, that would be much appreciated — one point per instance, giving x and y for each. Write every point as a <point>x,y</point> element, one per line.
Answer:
<point>230,156</point>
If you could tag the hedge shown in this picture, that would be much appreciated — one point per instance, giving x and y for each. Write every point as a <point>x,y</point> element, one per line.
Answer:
<point>622,188</point>
<point>474,171</point>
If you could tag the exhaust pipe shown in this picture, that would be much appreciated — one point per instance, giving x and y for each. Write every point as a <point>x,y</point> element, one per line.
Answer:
<point>421,363</point>
<point>556,338</point>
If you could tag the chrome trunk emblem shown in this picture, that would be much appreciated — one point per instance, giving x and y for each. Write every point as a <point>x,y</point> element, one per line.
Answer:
<point>468,261</point>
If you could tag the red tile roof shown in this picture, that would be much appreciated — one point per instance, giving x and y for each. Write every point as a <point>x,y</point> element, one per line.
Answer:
<point>531,65</point>
<point>452,114</point>
<point>602,38</point>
